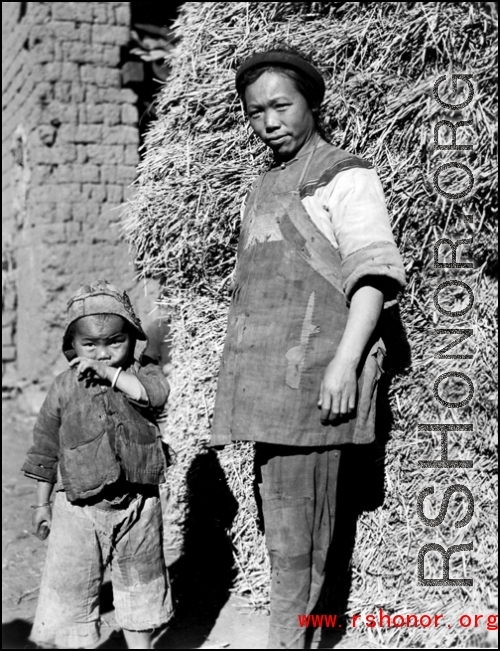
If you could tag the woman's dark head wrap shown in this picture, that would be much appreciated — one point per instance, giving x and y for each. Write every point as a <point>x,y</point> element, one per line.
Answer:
<point>281,59</point>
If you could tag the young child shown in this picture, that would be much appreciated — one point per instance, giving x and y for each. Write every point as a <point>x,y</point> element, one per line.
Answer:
<point>96,441</point>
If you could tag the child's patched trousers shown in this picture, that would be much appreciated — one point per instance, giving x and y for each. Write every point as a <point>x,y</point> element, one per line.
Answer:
<point>82,541</point>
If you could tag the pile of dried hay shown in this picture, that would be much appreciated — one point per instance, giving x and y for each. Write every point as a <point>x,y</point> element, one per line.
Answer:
<point>381,61</point>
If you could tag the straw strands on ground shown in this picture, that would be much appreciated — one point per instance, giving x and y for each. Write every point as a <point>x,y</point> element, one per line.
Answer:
<point>381,61</point>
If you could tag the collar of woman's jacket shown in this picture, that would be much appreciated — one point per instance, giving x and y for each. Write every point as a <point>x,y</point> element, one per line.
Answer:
<point>101,297</point>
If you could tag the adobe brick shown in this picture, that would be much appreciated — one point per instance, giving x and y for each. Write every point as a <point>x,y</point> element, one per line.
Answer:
<point>92,94</point>
<point>125,173</point>
<point>101,234</point>
<point>122,13</point>
<point>109,173</point>
<point>42,199</point>
<point>130,114</point>
<point>96,153</point>
<point>65,175</point>
<point>38,34</point>
<point>58,51</point>
<point>114,34</point>
<point>83,11</point>
<point>66,31</point>
<point>9,314</point>
<point>112,114</point>
<point>106,154</point>
<point>37,69</point>
<point>87,74</point>
<point>88,133</point>
<point>80,52</point>
<point>47,155</point>
<point>9,354</point>
<point>69,71</point>
<point>87,173</point>
<point>80,211</point>
<point>82,114</point>
<point>62,91</point>
<point>121,135</point>
<point>63,10</point>
<point>7,335</point>
<point>94,192</point>
<point>64,212</point>
<point>94,113</point>
<point>43,52</point>
<point>39,12</point>
<point>68,193</point>
<point>107,77</point>
<point>131,155</point>
<point>113,136</point>
<point>104,235</point>
<point>65,113</point>
<point>114,193</point>
<point>41,174</point>
<point>100,12</point>
<point>122,95</point>
<point>82,154</point>
<point>46,212</point>
<point>73,231</point>
<point>51,233</point>
<point>9,303</point>
<point>67,132</point>
<point>76,51</point>
<point>111,56</point>
<point>63,31</point>
<point>65,154</point>
<point>77,92</point>
<point>47,194</point>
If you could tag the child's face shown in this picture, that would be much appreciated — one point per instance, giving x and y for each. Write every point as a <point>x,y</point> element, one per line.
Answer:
<point>103,337</point>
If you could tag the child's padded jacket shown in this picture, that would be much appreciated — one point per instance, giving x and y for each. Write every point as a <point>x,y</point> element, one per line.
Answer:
<point>95,434</point>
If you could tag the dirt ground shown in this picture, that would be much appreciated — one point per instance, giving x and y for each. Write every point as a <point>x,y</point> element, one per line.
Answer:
<point>226,623</point>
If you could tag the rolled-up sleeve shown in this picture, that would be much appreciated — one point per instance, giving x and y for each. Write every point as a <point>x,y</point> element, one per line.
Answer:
<point>43,456</point>
<point>357,209</point>
<point>155,384</point>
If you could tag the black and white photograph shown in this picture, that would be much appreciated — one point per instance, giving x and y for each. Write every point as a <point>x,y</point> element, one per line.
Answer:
<point>249,325</point>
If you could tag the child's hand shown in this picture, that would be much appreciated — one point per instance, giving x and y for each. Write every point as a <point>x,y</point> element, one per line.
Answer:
<point>90,368</point>
<point>338,392</point>
<point>41,514</point>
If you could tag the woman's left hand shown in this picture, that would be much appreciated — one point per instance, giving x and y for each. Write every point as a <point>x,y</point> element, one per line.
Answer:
<point>338,391</point>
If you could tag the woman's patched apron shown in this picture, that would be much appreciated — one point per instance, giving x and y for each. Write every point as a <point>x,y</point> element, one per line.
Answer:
<point>286,320</point>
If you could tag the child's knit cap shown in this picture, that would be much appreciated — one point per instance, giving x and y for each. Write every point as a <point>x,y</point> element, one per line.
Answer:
<point>99,297</point>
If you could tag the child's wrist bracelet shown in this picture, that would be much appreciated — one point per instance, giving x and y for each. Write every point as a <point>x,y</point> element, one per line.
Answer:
<point>118,371</point>
<point>39,506</point>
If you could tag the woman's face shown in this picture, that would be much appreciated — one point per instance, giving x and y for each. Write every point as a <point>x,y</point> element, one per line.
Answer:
<point>279,114</point>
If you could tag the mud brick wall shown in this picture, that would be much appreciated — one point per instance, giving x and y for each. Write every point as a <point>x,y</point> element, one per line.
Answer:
<point>69,151</point>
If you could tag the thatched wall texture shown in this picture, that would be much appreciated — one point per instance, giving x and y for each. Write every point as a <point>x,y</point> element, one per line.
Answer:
<point>381,61</point>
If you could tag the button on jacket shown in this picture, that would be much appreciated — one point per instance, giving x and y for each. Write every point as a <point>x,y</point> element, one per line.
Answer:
<point>95,434</point>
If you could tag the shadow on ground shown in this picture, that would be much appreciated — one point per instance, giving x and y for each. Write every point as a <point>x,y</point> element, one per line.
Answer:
<point>203,576</point>
<point>15,635</point>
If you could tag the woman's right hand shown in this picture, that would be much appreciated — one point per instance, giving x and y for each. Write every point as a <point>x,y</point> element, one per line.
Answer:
<point>41,514</point>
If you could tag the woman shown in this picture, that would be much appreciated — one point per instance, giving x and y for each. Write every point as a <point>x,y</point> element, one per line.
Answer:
<point>316,261</point>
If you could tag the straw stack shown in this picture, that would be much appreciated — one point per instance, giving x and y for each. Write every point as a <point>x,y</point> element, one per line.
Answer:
<point>381,61</point>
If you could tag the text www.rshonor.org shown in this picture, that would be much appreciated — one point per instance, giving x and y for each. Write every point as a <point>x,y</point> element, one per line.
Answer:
<point>385,620</point>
